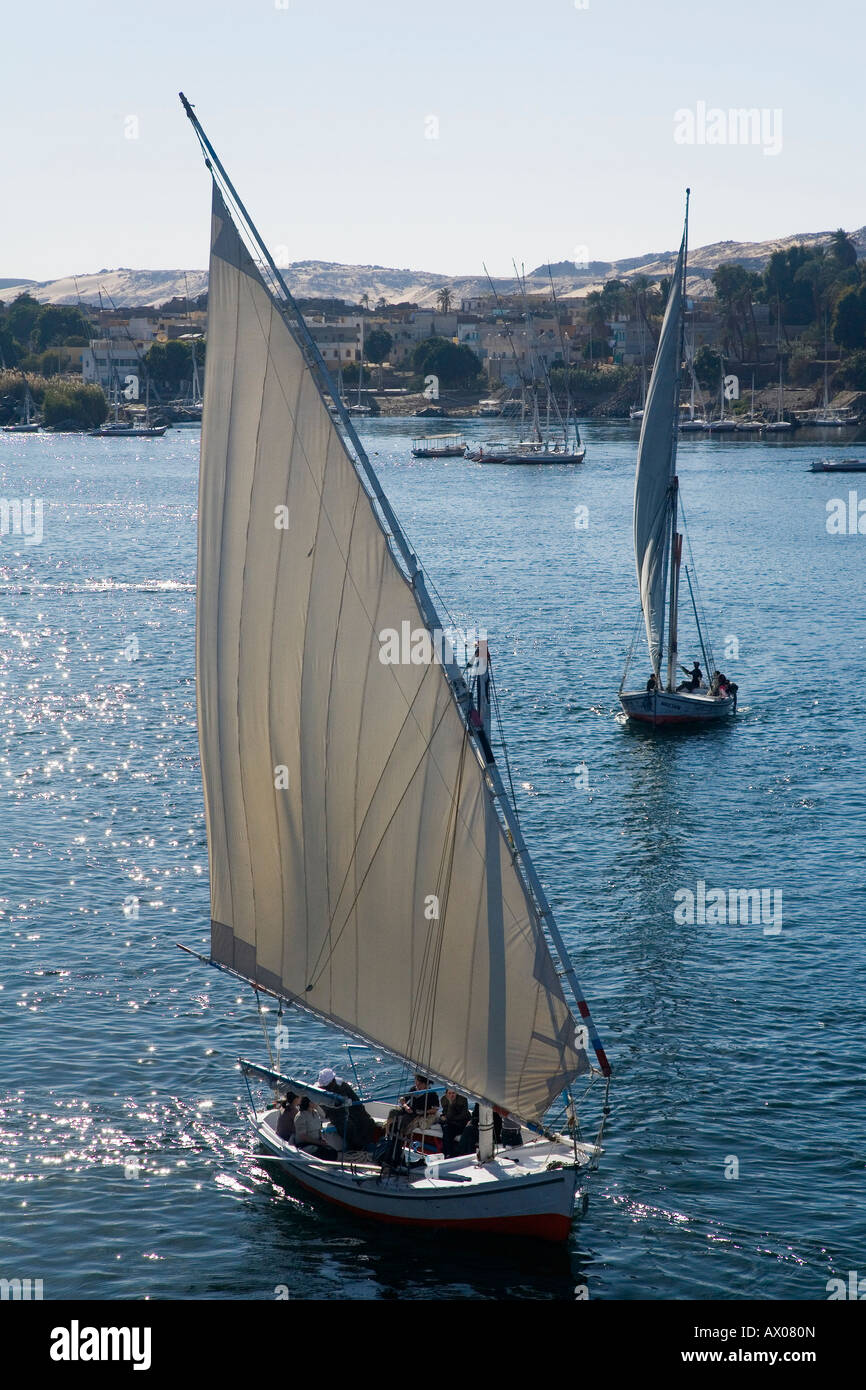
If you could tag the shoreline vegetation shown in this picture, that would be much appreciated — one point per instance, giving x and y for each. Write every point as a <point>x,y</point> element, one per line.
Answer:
<point>795,334</point>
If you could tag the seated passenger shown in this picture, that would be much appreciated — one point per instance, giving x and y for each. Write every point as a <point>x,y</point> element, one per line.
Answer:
<point>510,1133</point>
<point>286,1122</point>
<point>453,1119</point>
<point>417,1110</point>
<point>469,1138</point>
<point>308,1130</point>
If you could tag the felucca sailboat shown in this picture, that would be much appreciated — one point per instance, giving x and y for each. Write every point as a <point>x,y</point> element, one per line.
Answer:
<point>366,863</point>
<point>658,542</point>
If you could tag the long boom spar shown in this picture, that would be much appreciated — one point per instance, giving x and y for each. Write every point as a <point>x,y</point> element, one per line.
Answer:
<point>395,535</point>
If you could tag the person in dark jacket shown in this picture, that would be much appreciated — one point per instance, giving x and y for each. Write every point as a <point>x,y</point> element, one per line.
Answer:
<point>355,1127</point>
<point>453,1118</point>
<point>468,1140</point>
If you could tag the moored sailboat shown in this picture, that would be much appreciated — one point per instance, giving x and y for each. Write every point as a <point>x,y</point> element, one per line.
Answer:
<point>557,441</point>
<point>27,425</point>
<point>366,862</point>
<point>658,541</point>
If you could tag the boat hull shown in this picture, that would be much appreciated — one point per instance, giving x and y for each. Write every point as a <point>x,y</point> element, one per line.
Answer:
<point>661,707</point>
<point>516,1194</point>
<point>541,457</point>
<point>843,466</point>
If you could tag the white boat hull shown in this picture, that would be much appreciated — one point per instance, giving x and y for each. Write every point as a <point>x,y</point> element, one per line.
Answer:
<point>657,707</point>
<point>527,1191</point>
<point>541,456</point>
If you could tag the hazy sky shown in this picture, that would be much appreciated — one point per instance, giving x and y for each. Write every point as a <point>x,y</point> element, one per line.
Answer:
<point>555,127</point>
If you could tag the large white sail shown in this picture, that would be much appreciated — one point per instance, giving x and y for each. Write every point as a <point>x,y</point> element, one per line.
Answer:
<point>357,861</point>
<point>656,458</point>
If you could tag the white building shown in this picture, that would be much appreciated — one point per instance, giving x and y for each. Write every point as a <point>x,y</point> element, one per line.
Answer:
<point>108,359</point>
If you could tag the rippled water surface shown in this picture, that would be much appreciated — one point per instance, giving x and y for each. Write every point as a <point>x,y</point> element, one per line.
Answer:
<point>735,1162</point>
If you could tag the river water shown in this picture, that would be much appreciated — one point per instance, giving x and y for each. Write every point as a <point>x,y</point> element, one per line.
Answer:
<point>734,1163</point>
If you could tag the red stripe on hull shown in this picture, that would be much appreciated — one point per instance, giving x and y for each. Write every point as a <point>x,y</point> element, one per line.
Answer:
<point>550,1226</point>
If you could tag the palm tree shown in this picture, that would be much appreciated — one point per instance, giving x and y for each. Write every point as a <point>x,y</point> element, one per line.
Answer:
<point>443,299</point>
<point>842,249</point>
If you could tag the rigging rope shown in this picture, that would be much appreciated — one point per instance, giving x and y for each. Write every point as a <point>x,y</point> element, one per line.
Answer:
<point>697,601</point>
<point>628,659</point>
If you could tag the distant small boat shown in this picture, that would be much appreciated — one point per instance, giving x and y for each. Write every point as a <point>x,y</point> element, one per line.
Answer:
<point>27,425</point>
<point>116,429</point>
<point>827,418</point>
<point>839,466</point>
<point>439,446</point>
<point>128,429</point>
<point>529,451</point>
<point>780,424</point>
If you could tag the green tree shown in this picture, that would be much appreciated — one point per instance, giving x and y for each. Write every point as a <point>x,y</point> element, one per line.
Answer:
<point>57,323</point>
<point>781,288</point>
<point>81,407</point>
<point>735,287</point>
<point>170,364</point>
<point>454,365</point>
<point>849,320</point>
<point>21,317</point>
<point>615,297</point>
<point>843,250</point>
<point>377,345</point>
<point>708,368</point>
<point>444,300</point>
<point>851,376</point>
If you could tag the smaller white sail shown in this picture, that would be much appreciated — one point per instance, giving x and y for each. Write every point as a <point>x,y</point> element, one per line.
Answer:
<point>656,461</point>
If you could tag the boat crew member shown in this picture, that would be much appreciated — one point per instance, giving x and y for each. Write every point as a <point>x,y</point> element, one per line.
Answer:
<point>356,1129</point>
<point>696,678</point>
<point>652,684</point>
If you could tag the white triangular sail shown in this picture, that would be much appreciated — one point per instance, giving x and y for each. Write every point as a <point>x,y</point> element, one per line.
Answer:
<point>357,861</point>
<point>656,461</point>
